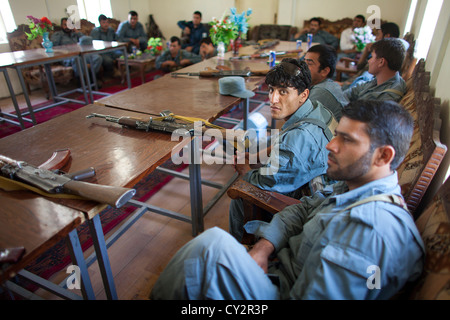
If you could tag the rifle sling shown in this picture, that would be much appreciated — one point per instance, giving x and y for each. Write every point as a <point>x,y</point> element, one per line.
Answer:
<point>13,185</point>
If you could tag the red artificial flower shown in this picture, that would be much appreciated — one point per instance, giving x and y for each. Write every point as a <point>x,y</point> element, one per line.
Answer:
<point>46,20</point>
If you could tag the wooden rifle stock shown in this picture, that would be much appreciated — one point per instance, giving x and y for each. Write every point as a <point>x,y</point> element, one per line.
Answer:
<point>53,183</point>
<point>114,196</point>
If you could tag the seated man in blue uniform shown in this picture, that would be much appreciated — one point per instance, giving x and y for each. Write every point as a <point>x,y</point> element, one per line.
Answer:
<point>321,61</point>
<point>106,33</point>
<point>320,36</point>
<point>384,64</point>
<point>352,240</point>
<point>195,31</point>
<point>71,36</point>
<point>132,32</point>
<point>175,58</point>
<point>299,153</point>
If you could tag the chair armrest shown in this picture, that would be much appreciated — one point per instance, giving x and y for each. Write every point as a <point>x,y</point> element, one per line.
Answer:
<point>347,61</point>
<point>270,201</point>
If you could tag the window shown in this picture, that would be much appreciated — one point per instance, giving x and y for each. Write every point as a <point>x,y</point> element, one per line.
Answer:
<point>412,11</point>
<point>91,9</point>
<point>7,23</point>
<point>426,31</point>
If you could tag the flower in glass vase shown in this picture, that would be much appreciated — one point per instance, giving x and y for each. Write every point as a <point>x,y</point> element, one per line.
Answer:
<point>223,30</point>
<point>38,27</point>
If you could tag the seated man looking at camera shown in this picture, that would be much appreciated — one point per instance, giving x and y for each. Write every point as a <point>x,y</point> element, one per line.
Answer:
<point>300,155</point>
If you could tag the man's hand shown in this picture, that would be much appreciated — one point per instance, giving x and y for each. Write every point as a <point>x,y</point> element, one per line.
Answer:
<point>135,41</point>
<point>241,168</point>
<point>185,62</point>
<point>187,31</point>
<point>261,252</point>
<point>168,64</point>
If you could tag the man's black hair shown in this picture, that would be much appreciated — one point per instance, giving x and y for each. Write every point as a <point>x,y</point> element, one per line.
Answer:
<point>199,13</point>
<point>206,40</point>
<point>175,39</point>
<point>290,73</point>
<point>392,50</point>
<point>390,28</point>
<point>132,13</point>
<point>387,123</point>
<point>327,57</point>
<point>102,17</point>
<point>318,20</point>
<point>360,16</point>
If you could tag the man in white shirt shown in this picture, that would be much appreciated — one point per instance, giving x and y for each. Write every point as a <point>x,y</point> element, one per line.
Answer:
<point>346,44</point>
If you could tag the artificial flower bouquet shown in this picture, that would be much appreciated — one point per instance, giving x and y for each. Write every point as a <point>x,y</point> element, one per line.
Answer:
<point>154,46</point>
<point>38,27</point>
<point>362,36</point>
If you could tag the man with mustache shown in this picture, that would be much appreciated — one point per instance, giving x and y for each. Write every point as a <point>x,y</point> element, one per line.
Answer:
<point>70,36</point>
<point>353,240</point>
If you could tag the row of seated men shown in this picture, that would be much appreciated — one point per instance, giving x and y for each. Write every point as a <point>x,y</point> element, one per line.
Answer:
<point>345,240</point>
<point>353,238</point>
<point>132,32</point>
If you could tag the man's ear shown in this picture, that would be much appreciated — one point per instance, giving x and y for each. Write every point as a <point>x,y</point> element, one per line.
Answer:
<point>384,155</point>
<point>303,96</point>
<point>325,71</point>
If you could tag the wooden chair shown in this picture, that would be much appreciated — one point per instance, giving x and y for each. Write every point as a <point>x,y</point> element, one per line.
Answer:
<point>406,70</point>
<point>271,31</point>
<point>415,173</point>
<point>113,23</point>
<point>434,227</point>
<point>333,27</point>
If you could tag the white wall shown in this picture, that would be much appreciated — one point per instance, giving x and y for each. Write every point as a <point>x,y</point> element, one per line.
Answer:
<point>393,11</point>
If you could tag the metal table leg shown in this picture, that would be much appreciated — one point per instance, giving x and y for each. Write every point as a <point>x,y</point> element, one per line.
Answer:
<point>13,98</point>
<point>25,94</point>
<point>195,183</point>
<point>76,252</point>
<point>98,238</point>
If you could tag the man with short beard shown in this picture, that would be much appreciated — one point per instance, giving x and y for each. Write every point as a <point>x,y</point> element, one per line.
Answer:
<point>71,36</point>
<point>353,240</point>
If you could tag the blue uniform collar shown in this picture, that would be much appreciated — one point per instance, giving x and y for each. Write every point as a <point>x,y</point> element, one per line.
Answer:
<point>302,112</point>
<point>387,184</point>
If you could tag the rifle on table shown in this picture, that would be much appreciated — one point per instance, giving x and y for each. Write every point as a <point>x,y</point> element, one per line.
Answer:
<point>54,183</point>
<point>169,125</point>
<point>214,73</point>
<point>265,55</point>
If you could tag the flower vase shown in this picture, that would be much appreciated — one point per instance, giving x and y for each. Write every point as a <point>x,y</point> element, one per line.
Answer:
<point>46,43</point>
<point>237,44</point>
<point>221,50</point>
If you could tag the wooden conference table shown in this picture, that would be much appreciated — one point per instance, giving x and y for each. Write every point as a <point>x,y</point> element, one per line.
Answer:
<point>35,223</point>
<point>120,156</point>
<point>19,60</point>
